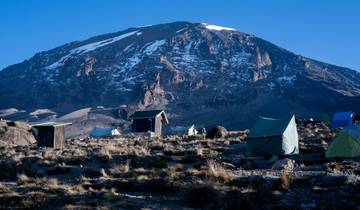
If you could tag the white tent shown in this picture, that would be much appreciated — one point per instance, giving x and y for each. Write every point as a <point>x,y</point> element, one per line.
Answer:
<point>273,137</point>
<point>192,131</point>
<point>104,132</point>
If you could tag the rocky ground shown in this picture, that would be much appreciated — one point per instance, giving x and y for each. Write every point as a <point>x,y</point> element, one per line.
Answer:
<point>177,172</point>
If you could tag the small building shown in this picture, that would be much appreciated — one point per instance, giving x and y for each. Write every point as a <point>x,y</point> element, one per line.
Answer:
<point>342,119</point>
<point>104,132</point>
<point>50,134</point>
<point>273,137</point>
<point>148,121</point>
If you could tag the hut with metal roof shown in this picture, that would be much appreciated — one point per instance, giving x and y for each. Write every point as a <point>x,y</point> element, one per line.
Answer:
<point>50,134</point>
<point>150,121</point>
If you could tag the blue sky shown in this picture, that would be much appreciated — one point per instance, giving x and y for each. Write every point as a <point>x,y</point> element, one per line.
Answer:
<point>326,30</point>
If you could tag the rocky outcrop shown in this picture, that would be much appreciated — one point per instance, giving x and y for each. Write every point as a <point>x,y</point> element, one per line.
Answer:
<point>217,132</point>
<point>15,133</point>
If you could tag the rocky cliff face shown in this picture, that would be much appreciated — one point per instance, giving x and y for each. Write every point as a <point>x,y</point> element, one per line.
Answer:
<point>200,73</point>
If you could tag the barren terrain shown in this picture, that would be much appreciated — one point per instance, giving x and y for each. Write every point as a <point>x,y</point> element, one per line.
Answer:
<point>177,172</point>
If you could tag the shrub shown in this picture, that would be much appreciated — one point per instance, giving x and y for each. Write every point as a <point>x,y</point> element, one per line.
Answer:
<point>10,165</point>
<point>285,180</point>
<point>51,183</point>
<point>216,170</point>
<point>23,179</point>
<point>4,189</point>
<point>120,168</point>
<point>34,200</point>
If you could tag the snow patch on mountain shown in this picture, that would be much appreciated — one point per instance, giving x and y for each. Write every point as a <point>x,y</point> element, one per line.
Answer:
<point>287,80</point>
<point>95,45</point>
<point>88,48</point>
<point>154,46</point>
<point>133,61</point>
<point>128,47</point>
<point>187,57</point>
<point>217,28</point>
<point>239,59</point>
<point>181,30</point>
<point>59,62</point>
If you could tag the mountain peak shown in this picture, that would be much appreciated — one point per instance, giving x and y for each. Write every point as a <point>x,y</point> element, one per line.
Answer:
<point>203,69</point>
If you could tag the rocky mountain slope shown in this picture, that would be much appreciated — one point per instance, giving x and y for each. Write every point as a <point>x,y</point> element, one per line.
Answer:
<point>199,73</point>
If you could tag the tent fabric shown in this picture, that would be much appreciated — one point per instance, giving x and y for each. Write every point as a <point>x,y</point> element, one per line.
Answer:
<point>103,132</point>
<point>325,118</point>
<point>269,127</point>
<point>273,137</point>
<point>265,145</point>
<point>346,144</point>
<point>342,119</point>
<point>290,143</point>
<point>192,131</point>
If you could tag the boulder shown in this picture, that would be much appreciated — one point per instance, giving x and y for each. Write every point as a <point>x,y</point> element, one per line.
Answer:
<point>216,132</point>
<point>284,164</point>
<point>15,133</point>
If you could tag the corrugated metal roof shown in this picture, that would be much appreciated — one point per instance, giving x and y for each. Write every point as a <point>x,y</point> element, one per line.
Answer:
<point>148,114</point>
<point>51,124</point>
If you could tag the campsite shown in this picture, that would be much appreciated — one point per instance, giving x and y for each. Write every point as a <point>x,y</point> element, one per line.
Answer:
<point>179,105</point>
<point>271,165</point>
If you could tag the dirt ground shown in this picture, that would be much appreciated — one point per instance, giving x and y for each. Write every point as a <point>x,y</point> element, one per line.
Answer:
<point>177,172</point>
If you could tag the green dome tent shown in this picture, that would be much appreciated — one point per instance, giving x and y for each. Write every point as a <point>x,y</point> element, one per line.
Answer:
<point>346,144</point>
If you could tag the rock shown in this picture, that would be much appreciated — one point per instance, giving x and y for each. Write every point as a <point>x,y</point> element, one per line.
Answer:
<point>216,132</point>
<point>15,133</point>
<point>282,164</point>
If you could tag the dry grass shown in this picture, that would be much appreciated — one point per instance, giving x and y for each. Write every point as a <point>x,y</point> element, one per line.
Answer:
<point>76,189</point>
<point>192,172</point>
<point>23,179</point>
<point>120,168</point>
<point>174,171</point>
<point>52,183</point>
<point>199,150</point>
<point>217,171</point>
<point>34,200</point>
<point>4,189</point>
<point>136,173</point>
<point>285,180</point>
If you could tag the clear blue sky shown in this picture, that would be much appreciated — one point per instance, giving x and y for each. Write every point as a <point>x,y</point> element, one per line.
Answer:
<point>327,30</point>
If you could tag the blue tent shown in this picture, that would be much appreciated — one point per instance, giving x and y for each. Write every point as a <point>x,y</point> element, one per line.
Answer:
<point>342,119</point>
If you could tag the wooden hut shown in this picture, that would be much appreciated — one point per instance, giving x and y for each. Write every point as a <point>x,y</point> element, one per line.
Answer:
<point>150,121</point>
<point>50,134</point>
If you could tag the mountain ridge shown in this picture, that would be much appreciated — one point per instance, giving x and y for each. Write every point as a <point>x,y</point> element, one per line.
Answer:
<point>191,69</point>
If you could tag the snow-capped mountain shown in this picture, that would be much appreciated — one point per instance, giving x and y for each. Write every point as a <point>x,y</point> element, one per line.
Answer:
<point>199,73</point>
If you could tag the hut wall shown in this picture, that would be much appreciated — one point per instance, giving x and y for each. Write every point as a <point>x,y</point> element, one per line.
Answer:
<point>143,125</point>
<point>59,137</point>
<point>158,126</point>
<point>45,136</point>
